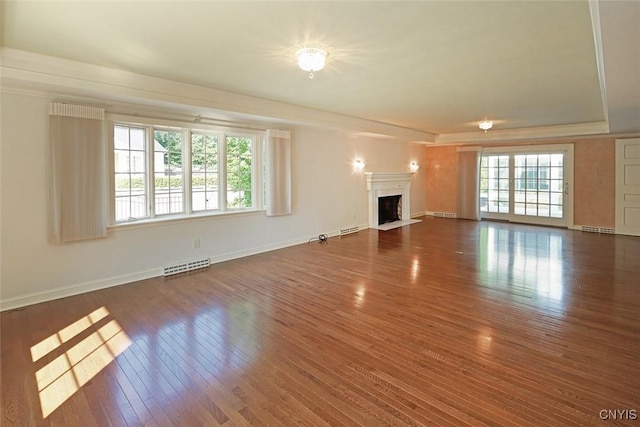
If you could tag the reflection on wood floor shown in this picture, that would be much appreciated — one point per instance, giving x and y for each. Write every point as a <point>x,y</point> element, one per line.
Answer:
<point>443,322</point>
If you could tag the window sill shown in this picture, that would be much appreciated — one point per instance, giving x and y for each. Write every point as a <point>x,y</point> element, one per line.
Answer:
<point>172,219</point>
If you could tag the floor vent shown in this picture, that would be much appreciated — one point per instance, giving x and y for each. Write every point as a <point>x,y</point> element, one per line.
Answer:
<point>603,230</point>
<point>187,266</point>
<point>445,214</point>
<point>349,230</point>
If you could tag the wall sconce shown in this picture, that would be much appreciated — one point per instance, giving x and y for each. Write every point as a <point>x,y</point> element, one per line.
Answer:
<point>358,165</point>
<point>413,167</point>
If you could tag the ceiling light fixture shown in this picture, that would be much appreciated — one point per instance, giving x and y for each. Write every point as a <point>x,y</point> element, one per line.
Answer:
<point>485,125</point>
<point>311,59</point>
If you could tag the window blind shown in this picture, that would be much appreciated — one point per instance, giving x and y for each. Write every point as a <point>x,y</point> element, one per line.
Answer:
<point>77,173</point>
<point>278,168</point>
<point>468,184</point>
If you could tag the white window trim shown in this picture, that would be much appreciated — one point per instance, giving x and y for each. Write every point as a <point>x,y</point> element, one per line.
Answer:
<point>151,124</point>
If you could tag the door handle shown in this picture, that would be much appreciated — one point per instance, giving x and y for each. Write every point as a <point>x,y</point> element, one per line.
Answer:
<point>566,188</point>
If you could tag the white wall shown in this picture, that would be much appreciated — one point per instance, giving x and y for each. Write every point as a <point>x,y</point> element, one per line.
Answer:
<point>327,196</point>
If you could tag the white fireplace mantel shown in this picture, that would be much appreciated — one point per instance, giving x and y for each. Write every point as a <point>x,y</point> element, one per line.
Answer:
<point>382,184</point>
<point>386,177</point>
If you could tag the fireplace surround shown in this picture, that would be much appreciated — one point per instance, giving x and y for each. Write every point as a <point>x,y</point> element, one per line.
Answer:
<point>382,184</point>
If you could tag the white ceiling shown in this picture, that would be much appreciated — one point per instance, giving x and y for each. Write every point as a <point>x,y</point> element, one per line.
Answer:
<point>433,66</point>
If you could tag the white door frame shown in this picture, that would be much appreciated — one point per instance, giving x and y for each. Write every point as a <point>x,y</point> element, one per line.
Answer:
<point>628,186</point>
<point>567,209</point>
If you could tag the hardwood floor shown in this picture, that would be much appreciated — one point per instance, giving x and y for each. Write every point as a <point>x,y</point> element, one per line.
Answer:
<point>444,322</point>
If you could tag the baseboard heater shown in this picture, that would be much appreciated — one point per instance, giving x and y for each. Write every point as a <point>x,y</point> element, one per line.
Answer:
<point>349,230</point>
<point>444,215</point>
<point>603,230</point>
<point>187,266</point>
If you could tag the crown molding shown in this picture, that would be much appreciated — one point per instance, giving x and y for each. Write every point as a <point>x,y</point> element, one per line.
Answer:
<point>57,76</point>
<point>28,71</point>
<point>524,134</point>
<point>594,11</point>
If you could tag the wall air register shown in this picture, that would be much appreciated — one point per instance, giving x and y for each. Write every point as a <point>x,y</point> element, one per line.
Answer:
<point>348,230</point>
<point>187,266</point>
<point>603,230</point>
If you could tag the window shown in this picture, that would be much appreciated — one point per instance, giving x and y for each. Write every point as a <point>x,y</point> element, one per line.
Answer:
<point>204,172</point>
<point>166,171</point>
<point>238,172</point>
<point>130,166</point>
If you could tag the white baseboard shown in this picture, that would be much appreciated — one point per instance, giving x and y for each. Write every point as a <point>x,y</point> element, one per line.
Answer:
<point>255,251</point>
<point>80,288</point>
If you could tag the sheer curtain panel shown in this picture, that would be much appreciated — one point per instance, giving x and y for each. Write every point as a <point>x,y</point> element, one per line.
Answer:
<point>469,183</point>
<point>77,173</point>
<point>278,156</point>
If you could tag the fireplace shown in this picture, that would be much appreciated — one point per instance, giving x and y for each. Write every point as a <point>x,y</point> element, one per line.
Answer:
<point>389,209</point>
<point>389,198</point>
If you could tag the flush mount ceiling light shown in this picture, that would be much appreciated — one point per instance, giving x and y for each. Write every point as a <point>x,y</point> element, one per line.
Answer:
<point>485,125</point>
<point>311,59</point>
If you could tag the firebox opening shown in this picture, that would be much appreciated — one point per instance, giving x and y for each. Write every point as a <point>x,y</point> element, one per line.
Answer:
<point>389,209</point>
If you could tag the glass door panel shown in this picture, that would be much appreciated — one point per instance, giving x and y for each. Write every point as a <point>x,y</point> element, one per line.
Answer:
<point>538,185</point>
<point>494,184</point>
<point>524,187</point>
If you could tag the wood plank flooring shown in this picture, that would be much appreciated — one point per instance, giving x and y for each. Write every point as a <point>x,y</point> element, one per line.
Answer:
<point>444,322</point>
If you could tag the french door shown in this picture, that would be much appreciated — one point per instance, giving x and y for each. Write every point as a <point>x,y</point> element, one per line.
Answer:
<point>528,184</point>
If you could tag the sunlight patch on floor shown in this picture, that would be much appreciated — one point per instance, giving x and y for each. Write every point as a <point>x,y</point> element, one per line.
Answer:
<point>59,379</point>
<point>49,344</point>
